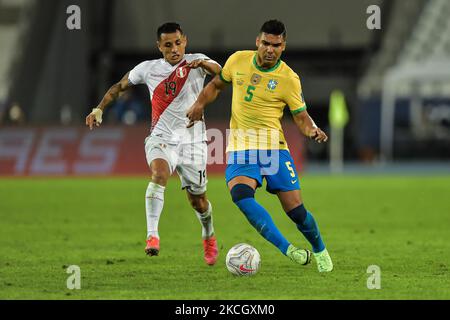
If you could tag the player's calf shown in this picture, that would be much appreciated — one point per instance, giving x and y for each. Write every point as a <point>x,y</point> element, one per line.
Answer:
<point>244,197</point>
<point>154,202</point>
<point>307,225</point>
<point>203,211</point>
<point>199,202</point>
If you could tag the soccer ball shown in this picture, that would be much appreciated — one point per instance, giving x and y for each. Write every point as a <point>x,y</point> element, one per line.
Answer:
<point>243,260</point>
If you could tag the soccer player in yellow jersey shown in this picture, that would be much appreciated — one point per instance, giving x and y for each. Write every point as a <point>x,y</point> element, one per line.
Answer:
<point>263,86</point>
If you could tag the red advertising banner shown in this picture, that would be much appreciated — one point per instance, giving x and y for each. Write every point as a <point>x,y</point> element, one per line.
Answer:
<point>109,150</point>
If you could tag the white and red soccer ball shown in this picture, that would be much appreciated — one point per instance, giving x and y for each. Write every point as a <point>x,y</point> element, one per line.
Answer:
<point>243,260</point>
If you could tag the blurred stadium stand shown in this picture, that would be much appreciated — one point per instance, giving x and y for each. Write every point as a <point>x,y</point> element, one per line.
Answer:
<point>10,28</point>
<point>406,87</point>
<point>55,75</point>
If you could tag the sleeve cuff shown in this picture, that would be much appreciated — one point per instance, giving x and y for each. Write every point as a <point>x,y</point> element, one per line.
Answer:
<point>297,111</point>
<point>222,78</point>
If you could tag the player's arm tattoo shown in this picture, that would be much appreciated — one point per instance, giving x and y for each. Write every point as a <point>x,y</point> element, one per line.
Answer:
<point>115,92</point>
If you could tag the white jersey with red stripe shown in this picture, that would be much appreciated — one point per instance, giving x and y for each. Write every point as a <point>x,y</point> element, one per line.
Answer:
<point>173,90</point>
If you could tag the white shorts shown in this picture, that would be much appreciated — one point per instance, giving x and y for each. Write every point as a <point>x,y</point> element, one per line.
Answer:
<point>189,160</point>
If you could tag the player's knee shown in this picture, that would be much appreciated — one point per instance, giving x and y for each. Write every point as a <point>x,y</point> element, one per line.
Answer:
<point>242,191</point>
<point>159,177</point>
<point>199,203</point>
<point>298,214</point>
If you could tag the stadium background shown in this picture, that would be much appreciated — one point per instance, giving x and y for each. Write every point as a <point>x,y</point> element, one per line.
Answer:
<point>396,84</point>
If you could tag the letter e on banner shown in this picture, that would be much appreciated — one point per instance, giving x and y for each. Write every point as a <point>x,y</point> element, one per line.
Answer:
<point>49,157</point>
<point>103,157</point>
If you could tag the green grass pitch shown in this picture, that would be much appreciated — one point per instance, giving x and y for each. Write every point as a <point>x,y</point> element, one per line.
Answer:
<point>399,223</point>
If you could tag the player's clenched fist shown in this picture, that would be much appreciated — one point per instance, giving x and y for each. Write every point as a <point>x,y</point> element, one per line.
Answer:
<point>198,63</point>
<point>318,135</point>
<point>195,113</point>
<point>95,117</point>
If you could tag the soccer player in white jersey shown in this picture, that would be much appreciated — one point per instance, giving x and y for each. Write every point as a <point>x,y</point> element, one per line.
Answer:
<point>174,83</point>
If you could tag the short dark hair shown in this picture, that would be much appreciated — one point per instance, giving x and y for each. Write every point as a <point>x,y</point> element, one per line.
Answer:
<point>168,27</point>
<point>274,27</point>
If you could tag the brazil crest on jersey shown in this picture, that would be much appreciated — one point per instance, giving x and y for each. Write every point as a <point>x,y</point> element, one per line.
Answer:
<point>259,98</point>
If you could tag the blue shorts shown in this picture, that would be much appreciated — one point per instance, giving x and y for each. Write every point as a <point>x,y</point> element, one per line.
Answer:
<point>276,166</point>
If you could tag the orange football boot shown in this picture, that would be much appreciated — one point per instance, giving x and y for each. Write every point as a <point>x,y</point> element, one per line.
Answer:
<point>152,248</point>
<point>210,249</point>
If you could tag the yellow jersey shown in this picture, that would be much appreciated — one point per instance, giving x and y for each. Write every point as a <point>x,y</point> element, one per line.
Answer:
<point>259,98</point>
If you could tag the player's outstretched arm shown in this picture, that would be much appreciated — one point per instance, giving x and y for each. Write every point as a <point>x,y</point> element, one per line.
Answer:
<point>210,67</point>
<point>307,126</point>
<point>95,117</point>
<point>208,95</point>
